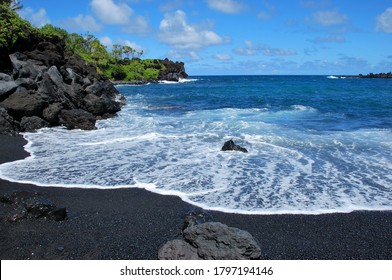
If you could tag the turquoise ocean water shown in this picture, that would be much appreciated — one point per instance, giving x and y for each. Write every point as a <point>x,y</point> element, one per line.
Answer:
<point>317,144</point>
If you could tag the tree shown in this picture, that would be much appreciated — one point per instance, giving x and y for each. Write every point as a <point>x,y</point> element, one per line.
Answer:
<point>117,52</point>
<point>13,4</point>
<point>128,51</point>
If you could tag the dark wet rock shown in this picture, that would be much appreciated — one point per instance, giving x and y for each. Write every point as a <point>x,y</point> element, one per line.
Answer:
<point>51,113</point>
<point>77,119</point>
<point>216,241</point>
<point>47,53</point>
<point>23,67</point>
<point>31,205</point>
<point>5,77</point>
<point>231,146</point>
<point>8,125</point>
<point>31,124</point>
<point>178,249</point>
<point>6,88</point>
<point>24,103</point>
<point>43,86</point>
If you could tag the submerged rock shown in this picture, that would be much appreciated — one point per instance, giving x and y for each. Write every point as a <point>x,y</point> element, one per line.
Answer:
<point>231,146</point>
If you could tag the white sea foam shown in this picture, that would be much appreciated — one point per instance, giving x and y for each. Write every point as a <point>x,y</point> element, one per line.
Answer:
<point>180,81</point>
<point>286,170</point>
<point>332,77</point>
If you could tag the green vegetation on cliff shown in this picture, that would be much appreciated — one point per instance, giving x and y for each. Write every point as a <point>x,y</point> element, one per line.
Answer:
<point>121,63</point>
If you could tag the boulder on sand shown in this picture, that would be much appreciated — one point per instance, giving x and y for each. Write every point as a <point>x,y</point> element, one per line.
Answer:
<point>207,240</point>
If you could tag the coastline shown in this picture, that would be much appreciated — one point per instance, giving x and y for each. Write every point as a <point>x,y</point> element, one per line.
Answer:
<point>135,223</point>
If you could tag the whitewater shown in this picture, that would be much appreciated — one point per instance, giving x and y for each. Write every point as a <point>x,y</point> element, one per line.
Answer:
<point>316,145</point>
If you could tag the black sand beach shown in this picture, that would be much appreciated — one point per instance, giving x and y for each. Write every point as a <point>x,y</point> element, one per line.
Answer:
<point>134,223</point>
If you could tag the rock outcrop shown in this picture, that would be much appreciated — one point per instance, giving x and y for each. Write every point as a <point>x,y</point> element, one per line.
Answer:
<point>231,146</point>
<point>45,86</point>
<point>369,76</point>
<point>210,241</point>
<point>22,205</point>
<point>172,71</point>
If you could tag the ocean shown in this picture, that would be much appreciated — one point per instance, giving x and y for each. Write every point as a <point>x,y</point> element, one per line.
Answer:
<point>317,144</point>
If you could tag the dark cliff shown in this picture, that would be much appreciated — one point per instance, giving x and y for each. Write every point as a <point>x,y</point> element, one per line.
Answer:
<point>42,85</point>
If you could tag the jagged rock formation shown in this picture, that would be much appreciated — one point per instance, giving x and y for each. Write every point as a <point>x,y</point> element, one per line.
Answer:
<point>45,86</point>
<point>173,71</point>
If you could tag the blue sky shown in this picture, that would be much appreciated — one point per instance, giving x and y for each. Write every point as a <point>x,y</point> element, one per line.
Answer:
<point>221,37</point>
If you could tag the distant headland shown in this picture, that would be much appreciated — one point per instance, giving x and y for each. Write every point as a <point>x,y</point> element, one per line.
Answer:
<point>369,76</point>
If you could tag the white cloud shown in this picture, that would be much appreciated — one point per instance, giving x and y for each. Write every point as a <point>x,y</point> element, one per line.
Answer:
<point>138,25</point>
<point>249,49</point>
<point>184,54</point>
<point>38,18</point>
<point>329,18</point>
<point>82,22</point>
<point>268,51</point>
<point>134,46</point>
<point>106,41</point>
<point>252,49</point>
<point>384,21</point>
<point>223,57</point>
<point>226,6</point>
<point>110,12</point>
<point>175,31</point>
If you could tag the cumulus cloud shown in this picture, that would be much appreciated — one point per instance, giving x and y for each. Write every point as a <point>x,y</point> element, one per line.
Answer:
<point>384,21</point>
<point>329,18</point>
<point>111,13</point>
<point>226,6</point>
<point>38,18</point>
<point>178,33</point>
<point>81,23</point>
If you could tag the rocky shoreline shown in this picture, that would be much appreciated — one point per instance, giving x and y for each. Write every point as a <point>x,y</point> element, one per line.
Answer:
<point>369,76</point>
<point>45,86</point>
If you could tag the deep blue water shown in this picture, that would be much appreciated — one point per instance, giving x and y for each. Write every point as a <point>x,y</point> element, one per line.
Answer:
<point>316,145</point>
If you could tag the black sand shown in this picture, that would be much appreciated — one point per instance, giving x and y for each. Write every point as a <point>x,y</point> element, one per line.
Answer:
<point>134,223</point>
